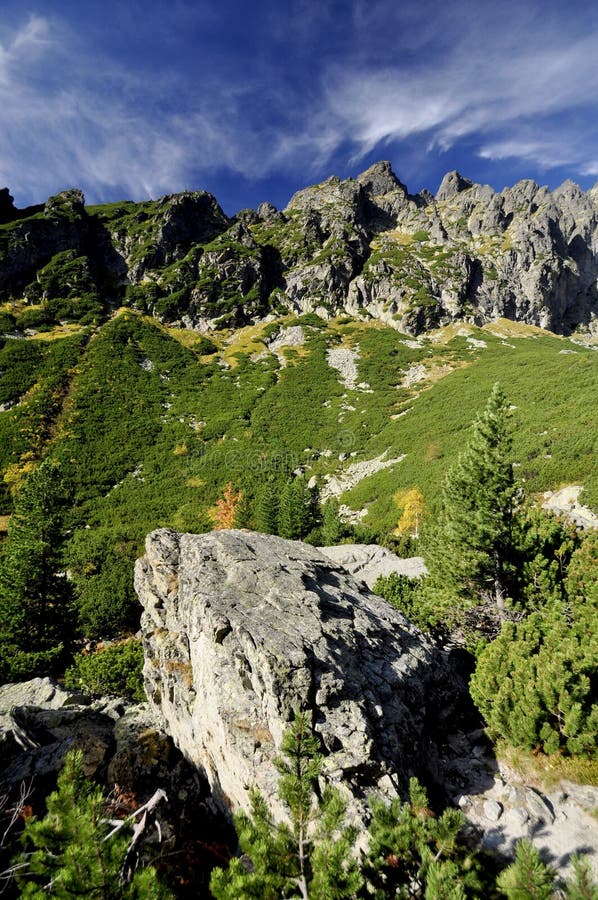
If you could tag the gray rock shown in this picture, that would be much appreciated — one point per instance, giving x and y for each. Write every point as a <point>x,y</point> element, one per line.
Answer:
<point>584,795</point>
<point>517,816</point>
<point>37,692</point>
<point>380,179</point>
<point>492,810</point>
<point>538,806</point>
<point>452,183</point>
<point>40,722</point>
<point>241,629</point>
<point>364,246</point>
<point>370,562</point>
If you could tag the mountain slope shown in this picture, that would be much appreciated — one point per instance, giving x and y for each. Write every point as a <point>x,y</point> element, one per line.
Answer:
<point>161,350</point>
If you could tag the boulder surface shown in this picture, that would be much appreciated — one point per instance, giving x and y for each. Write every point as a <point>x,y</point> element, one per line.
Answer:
<point>241,629</point>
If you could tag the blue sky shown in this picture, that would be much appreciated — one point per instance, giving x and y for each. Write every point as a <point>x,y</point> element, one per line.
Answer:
<point>253,100</point>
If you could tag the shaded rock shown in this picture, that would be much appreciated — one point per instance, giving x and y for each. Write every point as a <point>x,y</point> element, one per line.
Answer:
<point>380,179</point>
<point>558,824</point>
<point>241,629</point>
<point>538,806</point>
<point>518,816</point>
<point>363,246</point>
<point>452,183</point>
<point>124,751</point>
<point>8,211</point>
<point>40,722</point>
<point>37,692</point>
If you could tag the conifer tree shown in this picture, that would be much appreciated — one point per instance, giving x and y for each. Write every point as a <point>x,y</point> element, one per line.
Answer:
<point>294,509</point>
<point>266,509</point>
<point>34,595</point>
<point>581,884</point>
<point>332,526</point>
<point>528,878</point>
<point>66,854</point>
<point>412,853</point>
<point>471,549</point>
<point>308,857</point>
<point>534,683</point>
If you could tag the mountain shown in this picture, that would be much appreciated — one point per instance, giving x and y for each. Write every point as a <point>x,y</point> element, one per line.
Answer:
<point>124,357</point>
<point>361,246</point>
<point>310,373</point>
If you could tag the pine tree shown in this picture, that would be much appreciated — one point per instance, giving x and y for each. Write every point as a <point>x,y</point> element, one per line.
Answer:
<point>472,549</point>
<point>294,520</point>
<point>332,526</point>
<point>534,683</point>
<point>34,596</point>
<point>412,853</point>
<point>66,854</point>
<point>266,509</point>
<point>581,885</point>
<point>308,857</point>
<point>528,878</point>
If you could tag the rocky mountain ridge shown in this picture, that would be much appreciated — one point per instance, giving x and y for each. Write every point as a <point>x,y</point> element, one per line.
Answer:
<point>363,246</point>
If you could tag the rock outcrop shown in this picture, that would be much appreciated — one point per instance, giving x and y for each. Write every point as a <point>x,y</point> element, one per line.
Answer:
<point>40,721</point>
<point>364,246</point>
<point>369,562</point>
<point>241,629</point>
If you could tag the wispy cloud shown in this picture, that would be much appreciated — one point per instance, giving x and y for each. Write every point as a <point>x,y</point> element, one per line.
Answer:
<point>512,81</point>
<point>71,119</point>
<point>491,85</point>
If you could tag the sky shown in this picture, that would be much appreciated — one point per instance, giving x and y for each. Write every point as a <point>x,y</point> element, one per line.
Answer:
<point>254,100</point>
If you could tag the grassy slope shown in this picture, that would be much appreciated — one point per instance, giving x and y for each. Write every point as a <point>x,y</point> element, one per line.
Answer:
<point>154,443</point>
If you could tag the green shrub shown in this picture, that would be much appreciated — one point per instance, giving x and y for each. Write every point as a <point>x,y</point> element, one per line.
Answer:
<point>113,670</point>
<point>404,594</point>
<point>74,852</point>
<point>533,684</point>
<point>37,317</point>
<point>204,346</point>
<point>7,322</point>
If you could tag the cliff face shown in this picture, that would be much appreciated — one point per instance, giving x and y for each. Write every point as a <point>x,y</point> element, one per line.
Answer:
<point>242,629</point>
<point>363,246</point>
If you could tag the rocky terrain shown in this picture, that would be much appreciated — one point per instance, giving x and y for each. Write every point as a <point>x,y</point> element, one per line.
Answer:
<point>242,629</point>
<point>364,246</point>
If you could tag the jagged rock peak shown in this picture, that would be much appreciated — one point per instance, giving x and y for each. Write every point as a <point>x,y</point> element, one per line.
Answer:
<point>380,179</point>
<point>452,184</point>
<point>8,210</point>
<point>241,629</point>
<point>267,212</point>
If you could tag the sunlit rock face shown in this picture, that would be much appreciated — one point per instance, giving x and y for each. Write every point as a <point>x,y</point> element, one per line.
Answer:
<point>242,629</point>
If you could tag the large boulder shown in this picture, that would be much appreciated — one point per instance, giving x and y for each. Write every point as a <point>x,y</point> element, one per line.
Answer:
<point>241,629</point>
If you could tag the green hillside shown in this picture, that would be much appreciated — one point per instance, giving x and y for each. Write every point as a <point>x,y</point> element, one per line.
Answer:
<point>150,426</point>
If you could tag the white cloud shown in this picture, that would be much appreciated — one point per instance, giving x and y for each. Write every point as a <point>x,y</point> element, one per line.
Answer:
<point>488,83</point>
<point>73,120</point>
<point>501,77</point>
